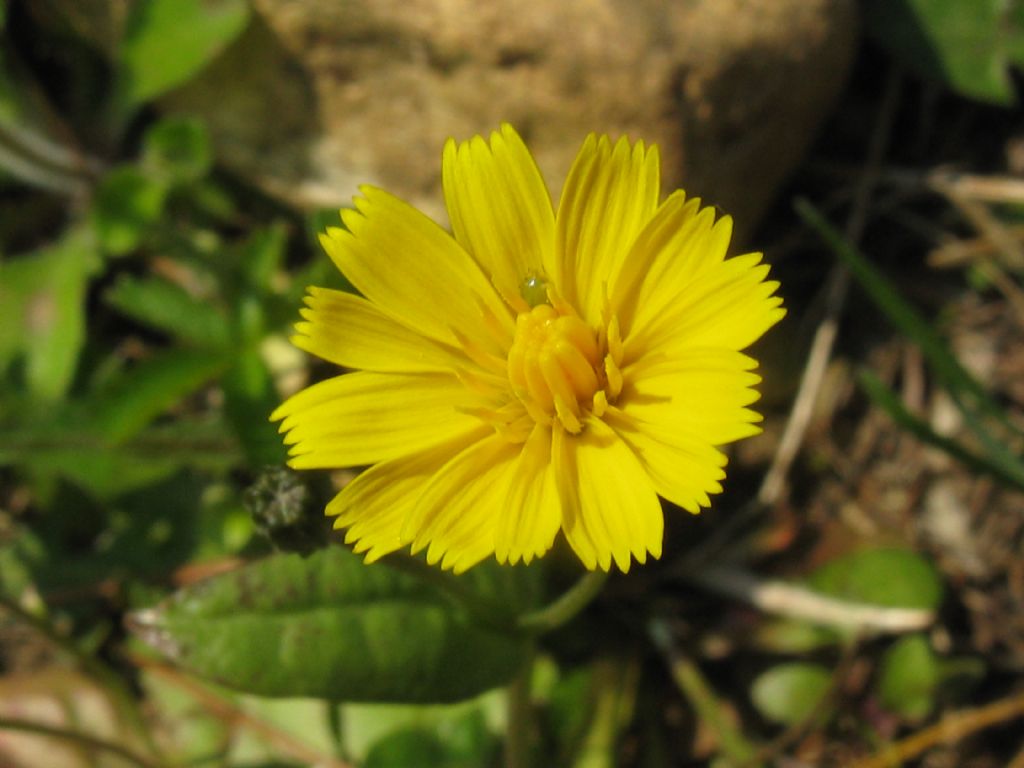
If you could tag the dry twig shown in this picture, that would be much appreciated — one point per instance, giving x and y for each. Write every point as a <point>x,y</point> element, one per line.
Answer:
<point>949,730</point>
<point>796,602</point>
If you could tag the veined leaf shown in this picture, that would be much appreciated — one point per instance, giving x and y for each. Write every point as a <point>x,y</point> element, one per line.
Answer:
<point>332,627</point>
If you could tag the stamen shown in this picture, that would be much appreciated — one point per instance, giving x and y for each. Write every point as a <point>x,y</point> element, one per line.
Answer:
<point>613,376</point>
<point>553,365</point>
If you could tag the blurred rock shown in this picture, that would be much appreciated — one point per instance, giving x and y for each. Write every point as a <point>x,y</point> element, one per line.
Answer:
<point>322,95</point>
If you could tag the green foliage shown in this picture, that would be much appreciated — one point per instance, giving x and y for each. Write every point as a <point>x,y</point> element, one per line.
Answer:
<point>790,693</point>
<point>128,203</point>
<point>147,390</point>
<point>42,320</point>
<point>909,677</point>
<point>166,42</point>
<point>466,743</point>
<point>890,577</point>
<point>912,676</point>
<point>969,45</point>
<point>165,306</point>
<point>178,150</point>
<point>328,626</point>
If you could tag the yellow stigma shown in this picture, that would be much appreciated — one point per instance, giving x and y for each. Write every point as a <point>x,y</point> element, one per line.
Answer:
<point>553,365</point>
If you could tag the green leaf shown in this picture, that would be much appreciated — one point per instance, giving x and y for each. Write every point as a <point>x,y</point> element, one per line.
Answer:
<point>127,204</point>
<point>909,677</point>
<point>150,388</point>
<point>261,255</point>
<point>170,308</point>
<point>890,577</point>
<point>42,305</point>
<point>466,743</point>
<point>249,399</point>
<point>792,636</point>
<point>969,45</point>
<point>178,150</point>
<point>412,746</point>
<point>789,694</point>
<point>167,42</point>
<point>330,626</point>
<point>69,447</point>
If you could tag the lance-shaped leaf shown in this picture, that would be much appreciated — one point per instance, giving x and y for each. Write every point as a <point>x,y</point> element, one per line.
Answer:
<point>330,626</point>
<point>166,42</point>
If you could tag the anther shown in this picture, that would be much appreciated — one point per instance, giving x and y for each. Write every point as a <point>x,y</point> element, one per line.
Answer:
<point>554,364</point>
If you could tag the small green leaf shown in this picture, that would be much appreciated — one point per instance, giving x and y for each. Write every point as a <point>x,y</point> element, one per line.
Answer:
<point>169,308</point>
<point>42,305</point>
<point>261,255</point>
<point>896,578</point>
<point>330,626</point>
<point>167,42</point>
<point>465,743</point>
<point>178,149</point>
<point>150,388</point>
<point>909,677</point>
<point>127,204</point>
<point>792,636</point>
<point>789,694</point>
<point>409,746</point>
<point>249,398</point>
<point>969,45</point>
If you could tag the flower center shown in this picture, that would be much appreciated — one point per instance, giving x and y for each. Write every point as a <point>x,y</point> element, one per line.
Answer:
<point>554,365</point>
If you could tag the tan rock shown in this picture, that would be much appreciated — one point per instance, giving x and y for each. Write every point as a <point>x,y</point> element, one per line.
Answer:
<point>322,95</point>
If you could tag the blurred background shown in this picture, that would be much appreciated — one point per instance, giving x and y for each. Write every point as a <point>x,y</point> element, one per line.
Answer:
<point>165,166</point>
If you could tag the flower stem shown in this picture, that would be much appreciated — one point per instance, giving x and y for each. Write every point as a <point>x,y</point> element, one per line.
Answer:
<point>519,726</point>
<point>566,606</point>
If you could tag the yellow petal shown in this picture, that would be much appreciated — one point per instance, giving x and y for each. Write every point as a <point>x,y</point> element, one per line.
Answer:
<point>374,506</point>
<point>701,395</point>
<point>682,468</point>
<point>415,272</point>
<point>531,515</point>
<point>678,290</point>
<point>500,209</point>
<point>670,247</point>
<point>457,511</point>
<point>609,196</point>
<point>362,418</point>
<point>610,510</point>
<point>347,330</point>
<point>730,306</point>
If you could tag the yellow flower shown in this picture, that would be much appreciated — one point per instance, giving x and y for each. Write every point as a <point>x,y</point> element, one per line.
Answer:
<point>534,371</point>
